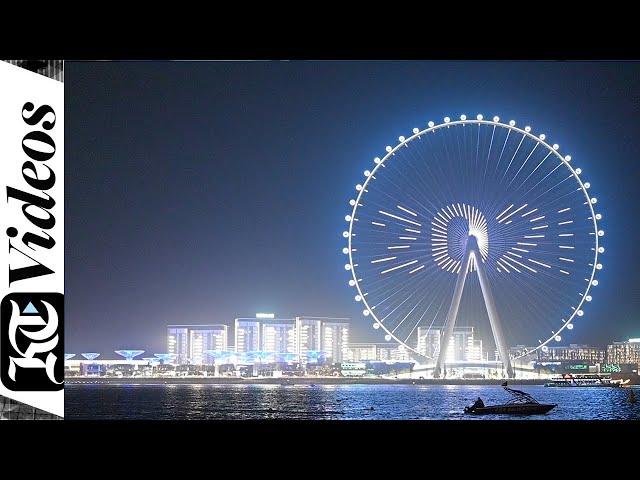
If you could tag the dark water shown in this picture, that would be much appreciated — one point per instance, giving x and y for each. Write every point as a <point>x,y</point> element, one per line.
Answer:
<point>348,402</point>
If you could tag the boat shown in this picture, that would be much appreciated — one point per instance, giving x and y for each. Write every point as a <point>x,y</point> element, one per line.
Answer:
<point>521,403</point>
<point>529,408</point>
<point>568,380</point>
<point>627,379</point>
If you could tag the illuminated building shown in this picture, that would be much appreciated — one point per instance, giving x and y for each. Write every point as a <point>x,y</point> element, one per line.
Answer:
<point>475,352</point>
<point>247,335</point>
<point>69,356</point>
<point>463,347</point>
<point>376,352</point>
<point>429,341</point>
<point>335,339</point>
<point>308,332</point>
<point>583,353</point>
<point>624,352</point>
<point>278,338</point>
<point>178,343</point>
<point>360,352</point>
<point>395,353</point>
<point>189,343</point>
<point>203,338</point>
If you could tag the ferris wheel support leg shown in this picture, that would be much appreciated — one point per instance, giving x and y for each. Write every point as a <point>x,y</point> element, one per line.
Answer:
<point>452,313</point>
<point>494,319</point>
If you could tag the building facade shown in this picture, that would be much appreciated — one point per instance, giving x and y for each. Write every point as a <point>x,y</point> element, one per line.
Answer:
<point>278,337</point>
<point>376,352</point>
<point>335,339</point>
<point>624,352</point>
<point>429,342</point>
<point>247,335</point>
<point>190,343</point>
<point>206,338</point>
<point>463,346</point>
<point>583,353</point>
<point>178,343</point>
<point>309,338</point>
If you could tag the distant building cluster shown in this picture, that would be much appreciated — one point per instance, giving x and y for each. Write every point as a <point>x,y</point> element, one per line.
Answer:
<point>264,344</point>
<point>615,358</point>
<point>263,338</point>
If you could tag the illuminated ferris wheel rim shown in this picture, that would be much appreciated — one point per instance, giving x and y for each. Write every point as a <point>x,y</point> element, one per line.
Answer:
<point>479,120</point>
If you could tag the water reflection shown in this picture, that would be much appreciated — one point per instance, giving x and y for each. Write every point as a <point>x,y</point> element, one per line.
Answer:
<point>407,402</point>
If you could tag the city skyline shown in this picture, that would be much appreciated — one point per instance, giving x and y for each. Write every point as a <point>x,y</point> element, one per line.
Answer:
<point>427,339</point>
<point>215,247</point>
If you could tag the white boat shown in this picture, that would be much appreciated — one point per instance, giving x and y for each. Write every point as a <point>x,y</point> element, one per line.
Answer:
<point>568,380</point>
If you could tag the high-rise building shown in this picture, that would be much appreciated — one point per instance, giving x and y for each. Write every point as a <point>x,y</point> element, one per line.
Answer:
<point>189,343</point>
<point>203,338</point>
<point>178,343</point>
<point>335,339</point>
<point>309,338</point>
<point>463,346</point>
<point>429,341</point>
<point>247,335</point>
<point>459,344</point>
<point>475,352</point>
<point>624,352</point>
<point>278,337</point>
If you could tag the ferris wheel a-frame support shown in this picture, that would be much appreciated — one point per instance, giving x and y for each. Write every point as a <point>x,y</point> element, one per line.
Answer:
<point>472,253</point>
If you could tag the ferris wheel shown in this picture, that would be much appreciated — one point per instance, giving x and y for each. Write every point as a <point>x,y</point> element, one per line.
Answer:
<point>475,222</point>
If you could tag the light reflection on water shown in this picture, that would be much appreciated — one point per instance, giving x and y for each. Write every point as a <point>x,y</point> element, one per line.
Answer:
<point>349,402</point>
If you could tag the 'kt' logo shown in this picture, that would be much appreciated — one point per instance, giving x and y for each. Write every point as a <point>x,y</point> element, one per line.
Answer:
<point>31,348</point>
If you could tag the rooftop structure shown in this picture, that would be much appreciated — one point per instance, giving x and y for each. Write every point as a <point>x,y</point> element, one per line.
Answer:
<point>129,354</point>
<point>90,356</point>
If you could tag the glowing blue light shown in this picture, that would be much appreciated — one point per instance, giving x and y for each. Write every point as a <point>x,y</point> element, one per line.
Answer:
<point>165,357</point>
<point>222,355</point>
<point>90,356</point>
<point>315,356</point>
<point>129,354</point>
<point>68,356</point>
<point>286,357</point>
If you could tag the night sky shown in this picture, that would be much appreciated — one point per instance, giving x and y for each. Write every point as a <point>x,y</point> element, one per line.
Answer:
<point>197,192</point>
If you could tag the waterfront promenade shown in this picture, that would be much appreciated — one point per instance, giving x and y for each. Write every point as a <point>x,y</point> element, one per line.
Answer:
<point>293,381</point>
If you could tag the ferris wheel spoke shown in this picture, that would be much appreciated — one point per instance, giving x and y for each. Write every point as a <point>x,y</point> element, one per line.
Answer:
<point>535,230</point>
<point>532,172</point>
<point>514,156</point>
<point>502,151</point>
<point>523,163</point>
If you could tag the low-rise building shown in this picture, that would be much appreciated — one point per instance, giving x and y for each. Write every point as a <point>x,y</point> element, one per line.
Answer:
<point>572,352</point>
<point>624,352</point>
